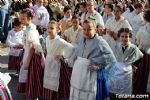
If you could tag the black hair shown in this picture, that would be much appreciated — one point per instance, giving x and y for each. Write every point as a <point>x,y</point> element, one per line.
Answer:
<point>147,15</point>
<point>126,30</point>
<point>16,22</point>
<point>66,9</point>
<point>27,12</point>
<point>83,4</point>
<point>138,5</point>
<point>109,6</point>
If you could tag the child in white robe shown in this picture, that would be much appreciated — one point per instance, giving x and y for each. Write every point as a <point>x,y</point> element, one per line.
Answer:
<point>74,33</point>
<point>15,42</point>
<point>52,74</point>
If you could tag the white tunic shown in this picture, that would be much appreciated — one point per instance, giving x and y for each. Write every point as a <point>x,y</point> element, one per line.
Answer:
<point>143,38</point>
<point>98,18</point>
<point>13,39</point>
<point>56,46</point>
<point>136,21</point>
<point>73,36</point>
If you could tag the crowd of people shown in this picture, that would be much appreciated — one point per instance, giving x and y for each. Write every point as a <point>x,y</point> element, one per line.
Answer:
<point>78,49</point>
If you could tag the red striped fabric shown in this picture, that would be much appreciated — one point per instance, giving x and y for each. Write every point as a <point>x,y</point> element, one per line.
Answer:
<point>21,87</point>
<point>64,85</point>
<point>35,77</point>
<point>14,62</point>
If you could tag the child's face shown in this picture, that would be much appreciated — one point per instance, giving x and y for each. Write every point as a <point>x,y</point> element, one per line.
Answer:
<point>75,22</point>
<point>52,29</point>
<point>24,19</point>
<point>18,28</point>
<point>124,38</point>
<point>88,30</point>
<point>68,13</point>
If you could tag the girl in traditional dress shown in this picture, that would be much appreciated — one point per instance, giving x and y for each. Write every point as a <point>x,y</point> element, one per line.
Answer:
<point>32,67</point>
<point>74,33</point>
<point>91,56</point>
<point>57,74</point>
<point>120,74</point>
<point>15,42</point>
<point>143,41</point>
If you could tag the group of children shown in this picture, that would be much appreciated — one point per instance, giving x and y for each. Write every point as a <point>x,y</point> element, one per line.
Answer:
<point>57,72</point>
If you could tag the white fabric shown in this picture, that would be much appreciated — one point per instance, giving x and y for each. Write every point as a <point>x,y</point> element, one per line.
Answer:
<point>136,21</point>
<point>52,74</point>
<point>56,46</point>
<point>41,11</point>
<point>14,38</point>
<point>31,40</point>
<point>82,81</point>
<point>98,18</point>
<point>73,36</point>
<point>120,78</point>
<point>143,38</point>
<point>115,26</point>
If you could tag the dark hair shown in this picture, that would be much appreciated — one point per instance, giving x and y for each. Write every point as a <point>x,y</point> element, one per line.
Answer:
<point>126,30</point>
<point>16,22</point>
<point>66,9</point>
<point>147,15</point>
<point>119,6</point>
<point>27,12</point>
<point>109,6</point>
<point>75,17</point>
<point>138,5</point>
<point>83,4</point>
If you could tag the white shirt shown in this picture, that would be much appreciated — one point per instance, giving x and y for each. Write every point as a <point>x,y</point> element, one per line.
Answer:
<point>98,18</point>
<point>73,36</point>
<point>15,38</point>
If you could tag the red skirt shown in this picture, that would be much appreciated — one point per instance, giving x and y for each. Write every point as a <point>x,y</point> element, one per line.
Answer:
<point>141,75</point>
<point>64,85</point>
<point>34,85</point>
<point>14,62</point>
<point>21,87</point>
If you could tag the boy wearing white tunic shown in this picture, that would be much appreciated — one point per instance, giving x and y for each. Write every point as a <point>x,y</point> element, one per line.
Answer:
<point>92,53</point>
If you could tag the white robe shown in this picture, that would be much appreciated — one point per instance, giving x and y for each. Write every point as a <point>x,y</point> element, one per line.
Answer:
<point>115,26</point>
<point>136,21</point>
<point>31,39</point>
<point>120,74</point>
<point>56,46</point>
<point>74,36</point>
<point>13,39</point>
<point>143,38</point>
<point>98,18</point>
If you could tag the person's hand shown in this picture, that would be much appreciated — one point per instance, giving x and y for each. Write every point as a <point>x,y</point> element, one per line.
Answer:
<point>58,57</point>
<point>93,68</point>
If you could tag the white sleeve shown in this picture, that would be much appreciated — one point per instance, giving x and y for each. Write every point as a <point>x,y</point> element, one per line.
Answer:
<point>100,20</point>
<point>8,41</point>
